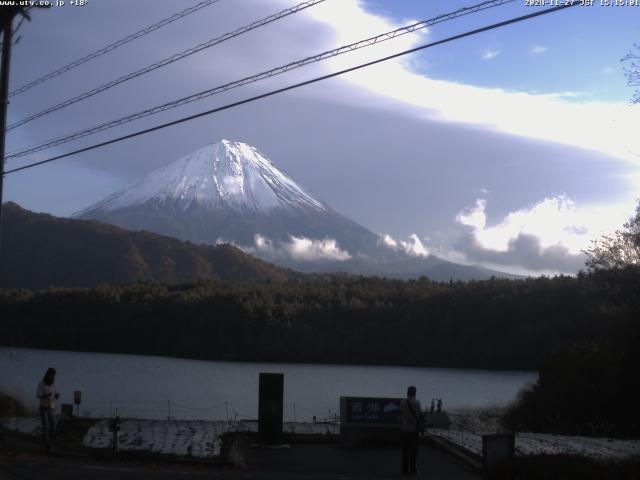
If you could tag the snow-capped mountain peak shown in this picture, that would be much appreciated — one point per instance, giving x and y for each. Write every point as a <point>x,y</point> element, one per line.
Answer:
<point>224,175</point>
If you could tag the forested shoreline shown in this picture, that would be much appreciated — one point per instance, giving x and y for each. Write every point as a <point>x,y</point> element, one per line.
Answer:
<point>495,324</point>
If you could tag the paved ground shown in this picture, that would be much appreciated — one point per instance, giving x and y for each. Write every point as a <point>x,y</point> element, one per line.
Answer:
<point>372,462</point>
<point>300,462</point>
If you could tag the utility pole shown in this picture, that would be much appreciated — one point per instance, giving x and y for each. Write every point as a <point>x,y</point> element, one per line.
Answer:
<point>7,15</point>
<point>7,25</point>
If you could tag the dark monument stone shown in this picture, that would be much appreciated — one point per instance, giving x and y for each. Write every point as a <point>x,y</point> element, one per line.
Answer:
<point>271,392</point>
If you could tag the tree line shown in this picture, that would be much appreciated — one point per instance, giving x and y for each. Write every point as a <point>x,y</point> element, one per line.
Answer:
<point>496,324</point>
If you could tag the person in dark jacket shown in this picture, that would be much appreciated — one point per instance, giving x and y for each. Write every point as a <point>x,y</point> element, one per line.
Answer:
<point>410,411</point>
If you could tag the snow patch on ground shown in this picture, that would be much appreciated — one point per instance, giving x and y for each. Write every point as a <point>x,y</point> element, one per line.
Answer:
<point>196,438</point>
<point>28,425</point>
<point>485,420</point>
<point>468,426</point>
<point>541,443</point>
<point>202,439</point>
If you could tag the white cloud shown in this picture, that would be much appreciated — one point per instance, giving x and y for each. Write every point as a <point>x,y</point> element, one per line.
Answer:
<point>302,248</point>
<point>568,94</point>
<point>413,246</point>
<point>264,245</point>
<point>606,127</point>
<point>388,241</point>
<point>555,220</point>
<point>607,70</point>
<point>490,54</point>
<point>299,248</point>
<point>538,49</point>
<point>474,216</point>
<point>351,22</point>
<point>547,236</point>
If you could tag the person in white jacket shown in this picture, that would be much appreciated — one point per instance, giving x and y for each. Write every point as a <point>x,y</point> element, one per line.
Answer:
<point>48,395</point>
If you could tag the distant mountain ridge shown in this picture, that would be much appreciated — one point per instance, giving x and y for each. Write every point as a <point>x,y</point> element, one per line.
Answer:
<point>230,192</point>
<point>40,250</point>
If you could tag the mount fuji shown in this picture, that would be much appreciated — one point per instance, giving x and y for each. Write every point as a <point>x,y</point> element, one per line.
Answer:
<point>228,192</point>
<point>223,176</point>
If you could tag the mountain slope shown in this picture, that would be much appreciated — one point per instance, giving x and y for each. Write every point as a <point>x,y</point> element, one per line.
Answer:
<point>228,191</point>
<point>225,175</point>
<point>40,250</point>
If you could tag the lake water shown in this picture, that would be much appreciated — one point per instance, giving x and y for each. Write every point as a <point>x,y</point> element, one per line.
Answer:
<point>157,387</point>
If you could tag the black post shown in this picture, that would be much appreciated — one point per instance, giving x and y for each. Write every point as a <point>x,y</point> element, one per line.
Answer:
<point>271,392</point>
<point>7,21</point>
<point>114,426</point>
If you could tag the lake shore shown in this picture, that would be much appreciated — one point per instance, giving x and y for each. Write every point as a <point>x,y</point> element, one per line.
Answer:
<point>160,387</point>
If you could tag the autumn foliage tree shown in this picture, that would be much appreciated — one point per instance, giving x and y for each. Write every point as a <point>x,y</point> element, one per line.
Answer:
<point>618,250</point>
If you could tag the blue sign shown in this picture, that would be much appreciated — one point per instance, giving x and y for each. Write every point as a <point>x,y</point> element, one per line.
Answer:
<point>368,410</point>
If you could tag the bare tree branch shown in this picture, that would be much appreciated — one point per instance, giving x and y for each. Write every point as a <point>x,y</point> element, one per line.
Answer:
<point>632,70</point>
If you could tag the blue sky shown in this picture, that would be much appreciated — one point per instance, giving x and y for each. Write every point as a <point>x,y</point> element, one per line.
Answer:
<point>511,149</point>
<point>583,47</point>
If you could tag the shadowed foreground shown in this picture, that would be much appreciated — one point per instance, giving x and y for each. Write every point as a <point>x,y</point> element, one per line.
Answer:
<point>298,461</point>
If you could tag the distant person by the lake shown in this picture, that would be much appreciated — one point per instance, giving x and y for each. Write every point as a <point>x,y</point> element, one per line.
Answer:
<point>433,405</point>
<point>48,395</point>
<point>439,405</point>
<point>410,411</point>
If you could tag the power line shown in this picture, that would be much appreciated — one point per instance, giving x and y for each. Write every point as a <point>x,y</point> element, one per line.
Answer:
<point>261,76</point>
<point>166,61</point>
<point>297,85</point>
<point>113,46</point>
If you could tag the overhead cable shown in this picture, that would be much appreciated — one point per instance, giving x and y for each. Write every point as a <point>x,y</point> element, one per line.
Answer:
<point>261,76</point>
<point>297,85</point>
<point>113,46</point>
<point>167,61</point>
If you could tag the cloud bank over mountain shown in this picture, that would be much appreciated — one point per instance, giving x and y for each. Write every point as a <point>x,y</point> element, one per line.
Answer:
<point>546,237</point>
<point>299,248</point>
<point>396,147</point>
